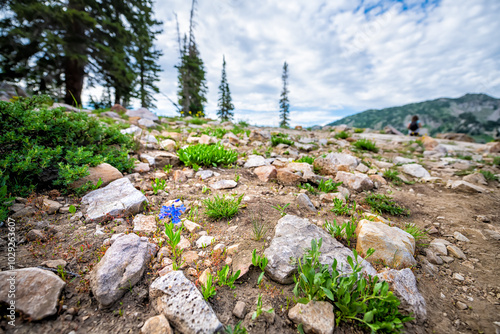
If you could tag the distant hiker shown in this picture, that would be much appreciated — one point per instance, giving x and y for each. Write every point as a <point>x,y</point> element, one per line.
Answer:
<point>414,126</point>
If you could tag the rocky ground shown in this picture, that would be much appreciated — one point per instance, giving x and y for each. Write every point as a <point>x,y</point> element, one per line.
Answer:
<point>106,268</point>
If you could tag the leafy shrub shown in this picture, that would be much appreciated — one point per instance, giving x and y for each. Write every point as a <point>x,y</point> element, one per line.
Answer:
<point>280,139</point>
<point>42,148</point>
<point>356,298</point>
<point>489,176</point>
<point>207,155</point>
<point>215,132</point>
<point>359,130</point>
<point>222,207</point>
<point>5,201</point>
<point>366,145</point>
<point>384,204</point>
<point>309,160</point>
<point>328,186</point>
<point>342,135</point>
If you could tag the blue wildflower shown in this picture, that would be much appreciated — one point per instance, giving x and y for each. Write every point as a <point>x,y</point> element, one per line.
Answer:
<point>172,212</point>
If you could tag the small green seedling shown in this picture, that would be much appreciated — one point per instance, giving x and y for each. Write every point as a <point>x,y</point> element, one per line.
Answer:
<point>261,262</point>
<point>281,209</point>
<point>226,279</point>
<point>207,289</point>
<point>259,310</point>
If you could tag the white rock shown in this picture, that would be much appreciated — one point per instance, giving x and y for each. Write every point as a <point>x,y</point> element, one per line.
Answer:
<point>416,170</point>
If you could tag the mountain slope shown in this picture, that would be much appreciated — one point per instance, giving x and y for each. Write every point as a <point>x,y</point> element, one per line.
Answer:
<point>475,114</point>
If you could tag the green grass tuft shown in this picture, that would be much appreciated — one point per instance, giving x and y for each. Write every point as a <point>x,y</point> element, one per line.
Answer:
<point>207,155</point>
<point>222,207</point>
<point>384,204</point>
<point>366,145</point>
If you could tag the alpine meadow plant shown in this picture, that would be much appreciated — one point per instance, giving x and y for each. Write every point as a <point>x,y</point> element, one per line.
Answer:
<point>384,204</point>
<point>366,145</point>
<point>207,289</point>
<point>43,148</point>
<point>207,155</point>
<point>222,207</point>
<point>261,262</point>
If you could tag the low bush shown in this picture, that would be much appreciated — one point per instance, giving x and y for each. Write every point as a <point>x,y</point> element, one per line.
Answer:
<point>359,130</point>
<point>207,155</point>
<point>222,207</point>
<point>43,148</point>
<point>366,145</point>
<point>280,139</point>
<point>342,135</point>
<point>305,158</point>
<point>384,204</point>
<point>356,298</point>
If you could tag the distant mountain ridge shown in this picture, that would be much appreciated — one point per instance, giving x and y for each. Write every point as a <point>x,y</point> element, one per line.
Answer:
<point>477,115</point>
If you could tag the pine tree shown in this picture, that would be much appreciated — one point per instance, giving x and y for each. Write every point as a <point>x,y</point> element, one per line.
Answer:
<point>284,103</point>
<point>192,82</point>
<point>225,102</point>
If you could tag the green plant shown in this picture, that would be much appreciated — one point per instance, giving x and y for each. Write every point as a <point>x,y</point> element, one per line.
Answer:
<point>216,132</point>
<point>5,200</point>
<point>415,231</point>
<point>366,145</point>
<point>350,230</point>
<point>309,160</point>
<point>355,297</point>
<point>489,176</point>
<point>281,209</point>
<point>280,139</point>
<point>174,237</point>
<point>309,187</point>
<point>167,168</point>
<point>336,230</point>
<point>258,229</point>
<point>207,155</point>
<point>158,184</point>
<point>339,208</point>
<point>328,186</point>
<point>222,207</point>
<point>238,329</point>
<point>207,289</point>
<point>61,272</point>
<point>226,279</point>
<point>237,177</point>
<point>496,161</point>
<point>46,149</point>
<point>261,262</point>
<point>392,175</point>
<point>205,189</point>
<point>359,130</point>
<point>259,310</point>
<point>342,135</point>
<point>72,209</point>
<point>384,204</point>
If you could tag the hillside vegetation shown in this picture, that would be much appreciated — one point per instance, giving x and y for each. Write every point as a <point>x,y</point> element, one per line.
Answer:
<point>475,114</point>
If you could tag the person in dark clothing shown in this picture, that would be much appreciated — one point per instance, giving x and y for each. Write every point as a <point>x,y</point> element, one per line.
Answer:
<point>414,126</point>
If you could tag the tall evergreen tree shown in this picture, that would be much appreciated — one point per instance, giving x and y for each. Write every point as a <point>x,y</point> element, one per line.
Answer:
<point>284,103</point>
<point>192,82</point>
<point>226,107</point>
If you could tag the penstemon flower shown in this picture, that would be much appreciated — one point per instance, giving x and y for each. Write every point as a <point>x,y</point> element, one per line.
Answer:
<point>172,212</point>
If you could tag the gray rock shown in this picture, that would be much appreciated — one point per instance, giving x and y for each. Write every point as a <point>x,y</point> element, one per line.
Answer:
<point>305,147</point>
<point>142,113</point>
<point>403,161</point>
<point>204,240</point>
<point>111,114</point>
<point>416,170</point>
<point>292,237</point>
<point>240,309</point>
<point>163,159</point>
<point>460,237</point>
<point>120,268</point>
<point>147,159</point>
<point>316,317</point>
<point>343,159</point>
<point>357,182</point>
<point>456,252</point>
<point>118,198</point>
<point>37,291</point>
<point>144,224</point>
<point>148,138</point>
<point>439,246</point>
<point>204,174</point>
<point>174,296</point>
<point>305,202</point>
<point>465,186</point>
<point>132,130</point>
<point>255,161</point>
<point>223,184</point>
<point>405,286</point>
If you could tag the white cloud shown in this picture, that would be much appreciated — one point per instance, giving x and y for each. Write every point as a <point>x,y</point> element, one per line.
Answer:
<point>341,59</point>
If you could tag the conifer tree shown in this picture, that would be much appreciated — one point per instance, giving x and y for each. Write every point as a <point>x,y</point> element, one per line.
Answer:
<point>226,107</point>
<point>284,103</point>
<point>192,82</point>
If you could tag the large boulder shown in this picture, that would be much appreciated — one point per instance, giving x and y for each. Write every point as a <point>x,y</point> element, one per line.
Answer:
<point>104,171</point>
<point>118,198</point>
<point>174,296</point>
<point>357,182</point>
<point>37,291</point>
<point>405,286</point>
<point>416,170</point>
<point>120,268</point>
<point>292,237</point>
<point>393,246</point>
<point>142,113</point>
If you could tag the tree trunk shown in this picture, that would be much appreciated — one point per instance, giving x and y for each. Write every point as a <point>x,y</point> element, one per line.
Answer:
<point>74,73</point>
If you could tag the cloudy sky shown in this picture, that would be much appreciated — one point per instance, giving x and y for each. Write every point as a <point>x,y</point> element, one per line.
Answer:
<point>344,56</point>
